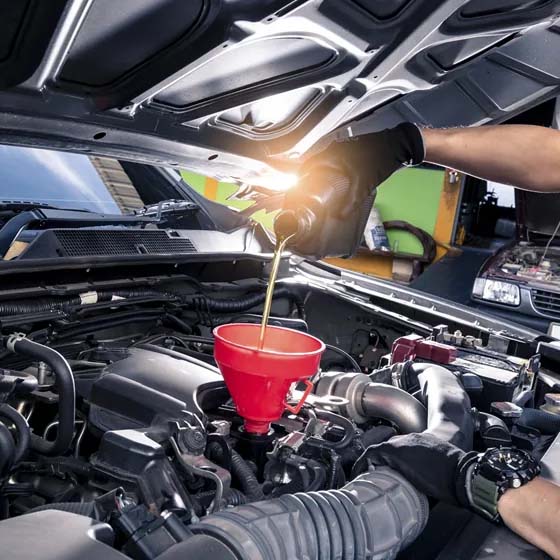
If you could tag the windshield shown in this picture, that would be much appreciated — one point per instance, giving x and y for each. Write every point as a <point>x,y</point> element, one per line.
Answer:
<point>66,180</point>
<point>45,191</point>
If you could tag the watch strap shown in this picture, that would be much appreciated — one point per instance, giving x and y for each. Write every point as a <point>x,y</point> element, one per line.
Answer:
<point>484,496</point>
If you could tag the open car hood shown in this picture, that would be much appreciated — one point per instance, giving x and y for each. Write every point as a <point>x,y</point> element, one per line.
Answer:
<point>538,213</point>
<point>235,88</point>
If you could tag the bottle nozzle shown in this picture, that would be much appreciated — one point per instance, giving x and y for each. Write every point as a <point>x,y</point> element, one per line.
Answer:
<point>287,224</point>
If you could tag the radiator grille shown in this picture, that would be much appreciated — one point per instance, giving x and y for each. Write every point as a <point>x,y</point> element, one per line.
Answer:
<point>83,243</point>
<point>546,302</point>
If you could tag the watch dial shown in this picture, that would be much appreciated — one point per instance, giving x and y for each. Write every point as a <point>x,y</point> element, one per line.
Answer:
<point>510,459</point>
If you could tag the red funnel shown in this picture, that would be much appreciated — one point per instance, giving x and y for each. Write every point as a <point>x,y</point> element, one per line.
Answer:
<point>259,380</point>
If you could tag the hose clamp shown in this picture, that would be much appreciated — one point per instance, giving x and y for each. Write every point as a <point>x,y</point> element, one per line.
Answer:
<point>12,339</point>
<point>349,386</point>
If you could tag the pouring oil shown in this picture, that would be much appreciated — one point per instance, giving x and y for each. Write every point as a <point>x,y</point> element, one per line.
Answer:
<point>278,250</point>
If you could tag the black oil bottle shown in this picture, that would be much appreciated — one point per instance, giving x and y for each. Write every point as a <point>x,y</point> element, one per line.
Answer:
<point>326,214</point>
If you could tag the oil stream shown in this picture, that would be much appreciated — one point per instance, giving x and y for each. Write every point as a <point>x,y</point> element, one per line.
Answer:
<point>278,250</point>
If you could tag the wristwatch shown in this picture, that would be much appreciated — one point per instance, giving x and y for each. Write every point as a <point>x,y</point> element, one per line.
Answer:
<point>493,473</point>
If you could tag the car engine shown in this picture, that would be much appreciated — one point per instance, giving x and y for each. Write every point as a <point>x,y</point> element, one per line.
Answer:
<point>531,262</point>
<point>119,437</point>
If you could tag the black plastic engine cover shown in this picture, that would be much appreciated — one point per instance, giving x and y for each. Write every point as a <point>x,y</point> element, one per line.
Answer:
<point>147,386</point>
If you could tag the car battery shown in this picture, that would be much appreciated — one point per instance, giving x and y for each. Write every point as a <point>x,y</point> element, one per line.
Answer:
<point>500,377</point>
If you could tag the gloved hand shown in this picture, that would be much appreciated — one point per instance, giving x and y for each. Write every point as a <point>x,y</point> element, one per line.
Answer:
<point>372,157</point>
<point>328,210</point>
<point>436,468</point>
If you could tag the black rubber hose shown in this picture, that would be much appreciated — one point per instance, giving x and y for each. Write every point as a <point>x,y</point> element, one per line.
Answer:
<point>178,323</point>
<point>233,498</point>
<point>65,465</point>
<point>7,451</point>
<point>37,306</point>
<point>376,515</point>
<point>337,420</point>
<point>23,439</point>
<point>349,359</point>
<point>546,422</point>
<point>449,406</point>
<point>68,302</point>
<point>246,478</point>
<point>64,385</point>
<point>210,304</point>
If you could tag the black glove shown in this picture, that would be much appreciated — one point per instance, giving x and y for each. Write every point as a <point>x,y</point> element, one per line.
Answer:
<point>328,210</point>
<point>372,157</point>
<point>436,468</point>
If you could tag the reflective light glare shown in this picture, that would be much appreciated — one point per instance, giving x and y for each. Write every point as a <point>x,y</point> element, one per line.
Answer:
<point>278,108</point>
<point>279,181</point>
<point>497,291</point>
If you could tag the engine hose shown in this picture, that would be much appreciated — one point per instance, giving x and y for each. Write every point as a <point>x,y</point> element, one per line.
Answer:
<point>246,478</point>
<point>395,405</point>
<point>7,451</point>
<point>366,400</point>
<point>204,303</point>
<point>445,410</point>
<point>69,302</point>
<point>375,516</point>
<point>449,406</point>
<point>64,465</point>
<point>342,422</point>
<point>22,430</point>
<point>546,422</point>
<point>233,498</point>
<point>64,385</point>
<point>178,323</point>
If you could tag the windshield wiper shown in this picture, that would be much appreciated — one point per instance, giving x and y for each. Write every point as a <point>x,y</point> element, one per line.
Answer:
<point>166,209</point>
<point>16,207</point>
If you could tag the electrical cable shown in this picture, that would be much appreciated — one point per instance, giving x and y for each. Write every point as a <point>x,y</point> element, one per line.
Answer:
<point>353,363</point>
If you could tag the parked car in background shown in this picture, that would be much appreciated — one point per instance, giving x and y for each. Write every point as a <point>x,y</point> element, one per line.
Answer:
<point>523,278</point>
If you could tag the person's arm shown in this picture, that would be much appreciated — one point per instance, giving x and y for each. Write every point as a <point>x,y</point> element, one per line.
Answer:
<point>523,156</point>
<point>442,471</point>
<point>532,512</point>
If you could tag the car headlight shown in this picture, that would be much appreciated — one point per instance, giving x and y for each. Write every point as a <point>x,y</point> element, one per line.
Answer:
<point>497,291</point>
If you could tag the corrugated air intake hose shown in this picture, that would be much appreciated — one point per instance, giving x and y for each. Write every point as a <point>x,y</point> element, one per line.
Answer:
<point>373,517</point>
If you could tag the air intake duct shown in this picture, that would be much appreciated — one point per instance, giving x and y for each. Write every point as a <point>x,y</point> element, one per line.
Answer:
<point>373,517</point>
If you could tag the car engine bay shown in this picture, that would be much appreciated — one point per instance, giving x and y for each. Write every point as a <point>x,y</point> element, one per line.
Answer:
<point>118,436</point>
<point>533,263</point>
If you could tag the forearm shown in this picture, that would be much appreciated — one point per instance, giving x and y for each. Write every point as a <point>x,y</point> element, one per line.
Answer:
<point>532,512</point>
<point>527,157</point>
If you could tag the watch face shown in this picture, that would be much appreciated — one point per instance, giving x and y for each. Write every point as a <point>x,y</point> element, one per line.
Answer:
<point>508,459</point>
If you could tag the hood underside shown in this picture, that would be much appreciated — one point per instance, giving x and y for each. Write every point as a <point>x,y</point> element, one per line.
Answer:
<point>538,213</point>
<point>233,88</point>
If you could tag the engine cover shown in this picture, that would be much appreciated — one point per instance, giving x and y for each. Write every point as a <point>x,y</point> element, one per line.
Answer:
<point>148,385</point>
